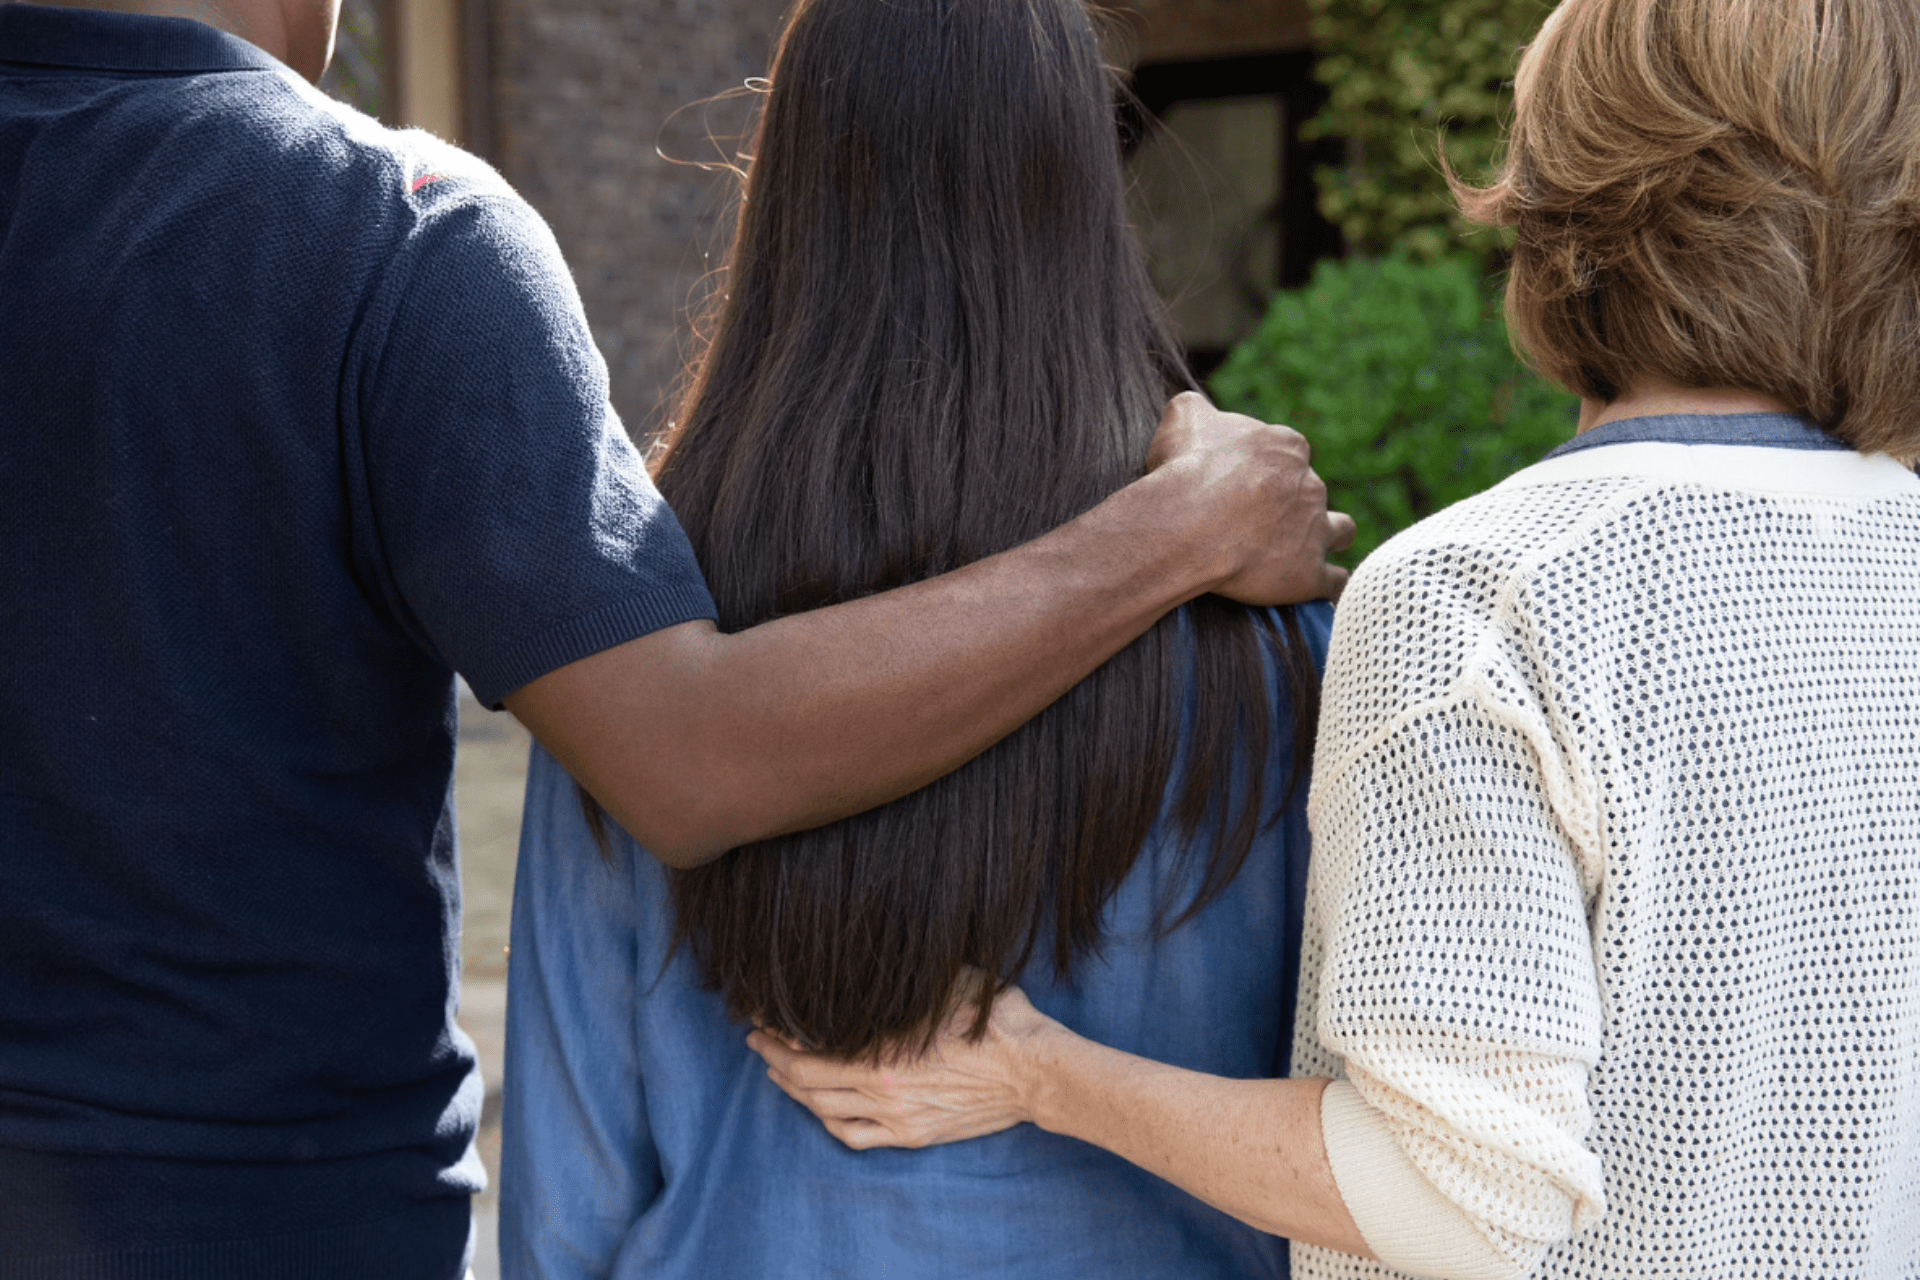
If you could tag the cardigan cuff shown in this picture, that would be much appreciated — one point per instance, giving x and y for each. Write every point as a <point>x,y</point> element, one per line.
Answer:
<point>1407,1223</point>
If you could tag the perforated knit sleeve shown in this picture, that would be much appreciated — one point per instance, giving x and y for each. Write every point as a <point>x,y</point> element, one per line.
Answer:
<point>1456,975</point>
<point>1448,959</point>
<point>1613,873</point>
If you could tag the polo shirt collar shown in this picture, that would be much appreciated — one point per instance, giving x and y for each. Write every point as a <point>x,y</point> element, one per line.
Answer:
<point>96,40</point>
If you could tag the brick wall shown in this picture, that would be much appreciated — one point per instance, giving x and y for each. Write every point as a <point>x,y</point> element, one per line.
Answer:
<point>583,94</point>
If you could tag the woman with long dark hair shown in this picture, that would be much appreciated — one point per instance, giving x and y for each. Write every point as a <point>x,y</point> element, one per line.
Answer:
<point>936,341</point>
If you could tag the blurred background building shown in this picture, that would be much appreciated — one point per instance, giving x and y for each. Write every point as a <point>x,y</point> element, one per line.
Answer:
<point>602,112</point>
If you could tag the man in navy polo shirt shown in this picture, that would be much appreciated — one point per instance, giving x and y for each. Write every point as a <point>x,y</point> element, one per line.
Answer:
<point>298,417</point>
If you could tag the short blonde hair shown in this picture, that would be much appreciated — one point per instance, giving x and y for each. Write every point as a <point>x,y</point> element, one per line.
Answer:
<point>1722,193</point>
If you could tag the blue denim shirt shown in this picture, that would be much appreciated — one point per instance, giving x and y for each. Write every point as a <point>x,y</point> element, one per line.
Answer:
<point>642,1137</point>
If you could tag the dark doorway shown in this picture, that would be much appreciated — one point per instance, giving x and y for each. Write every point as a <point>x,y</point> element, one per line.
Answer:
<point>1223,188</point>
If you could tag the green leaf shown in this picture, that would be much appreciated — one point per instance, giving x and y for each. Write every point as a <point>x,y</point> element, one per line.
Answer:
<point>1399,372</point>
<point>1398,75</point>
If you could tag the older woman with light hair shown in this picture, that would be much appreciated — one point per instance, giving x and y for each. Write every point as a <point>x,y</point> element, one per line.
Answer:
<point>1612,956</point>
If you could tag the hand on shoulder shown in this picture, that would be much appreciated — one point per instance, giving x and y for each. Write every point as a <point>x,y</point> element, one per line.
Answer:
<point>1250,491</point>
<point>961,1087</point>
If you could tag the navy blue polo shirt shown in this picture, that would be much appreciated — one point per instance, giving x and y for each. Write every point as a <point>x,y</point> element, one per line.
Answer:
<point>298,417</point>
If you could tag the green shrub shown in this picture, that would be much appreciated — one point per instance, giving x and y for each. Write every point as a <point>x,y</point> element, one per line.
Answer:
<point>1399,374</point>
<point>1398,73</point>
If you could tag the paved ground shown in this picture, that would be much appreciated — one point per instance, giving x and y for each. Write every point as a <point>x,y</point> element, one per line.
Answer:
<point>488,777</point>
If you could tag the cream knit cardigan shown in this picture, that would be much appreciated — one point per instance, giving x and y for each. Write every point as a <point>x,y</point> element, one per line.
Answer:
<point>1613,928</point>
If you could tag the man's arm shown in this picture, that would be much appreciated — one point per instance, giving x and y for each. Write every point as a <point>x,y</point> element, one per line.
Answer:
<point>1251,1148</point>
<point>697,742</point>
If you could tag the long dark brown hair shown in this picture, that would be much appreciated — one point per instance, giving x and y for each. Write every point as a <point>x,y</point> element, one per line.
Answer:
<point>936,339</point>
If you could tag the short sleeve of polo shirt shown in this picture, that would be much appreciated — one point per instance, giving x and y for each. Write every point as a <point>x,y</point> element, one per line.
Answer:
<point>500,508</point>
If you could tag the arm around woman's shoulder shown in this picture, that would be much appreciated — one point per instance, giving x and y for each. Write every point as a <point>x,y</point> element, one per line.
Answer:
<point>577,1158</point>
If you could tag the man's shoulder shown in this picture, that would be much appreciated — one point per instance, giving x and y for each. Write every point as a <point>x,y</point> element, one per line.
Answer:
<point>313,198</point>
<point>281,130</point>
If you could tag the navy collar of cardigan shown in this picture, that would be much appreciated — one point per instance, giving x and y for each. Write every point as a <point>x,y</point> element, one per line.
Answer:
<point>93,39</point>
<point>1761,430</point>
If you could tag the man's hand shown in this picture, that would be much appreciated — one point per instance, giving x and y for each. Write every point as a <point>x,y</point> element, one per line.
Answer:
<point>959,1088</point>
<point>1263,509</point>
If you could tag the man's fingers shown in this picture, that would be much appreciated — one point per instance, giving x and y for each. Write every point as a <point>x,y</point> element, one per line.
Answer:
<point>1177,423</point>
<point>1343,530</point>
<point>1340,533</point>
<point>1255,484</point>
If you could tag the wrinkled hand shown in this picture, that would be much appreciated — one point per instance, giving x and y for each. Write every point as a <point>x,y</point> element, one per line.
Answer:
<point>958,1089</point>
<point>1264,507</point>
